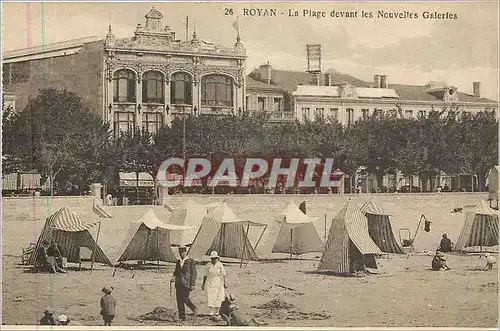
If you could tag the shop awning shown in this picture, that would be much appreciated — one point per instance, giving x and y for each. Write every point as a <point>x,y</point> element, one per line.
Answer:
<point>129,179</point>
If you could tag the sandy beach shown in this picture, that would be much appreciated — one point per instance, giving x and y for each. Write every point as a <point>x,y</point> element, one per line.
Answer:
<point>404,292</point>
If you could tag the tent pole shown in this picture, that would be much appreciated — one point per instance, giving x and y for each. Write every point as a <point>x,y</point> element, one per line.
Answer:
<point>291,243</point>
<point>258,241</point>
<point>95,247</point>
<point>158,250</point>
<point>244,246</point>
<point>412,248</point>
<point>324,236</point>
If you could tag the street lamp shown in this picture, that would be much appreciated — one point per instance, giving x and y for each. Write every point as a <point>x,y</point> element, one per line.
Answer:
<point>184,142</point>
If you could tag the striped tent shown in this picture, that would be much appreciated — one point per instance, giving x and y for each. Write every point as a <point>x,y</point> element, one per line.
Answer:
<point>292,231</point>
<point>480,227</point>
<point>379,227</point>
<point>148,239</point>
<point>349,247</point>
<point>190,214</point>
<point>71,233</point>
<point>224,232</point>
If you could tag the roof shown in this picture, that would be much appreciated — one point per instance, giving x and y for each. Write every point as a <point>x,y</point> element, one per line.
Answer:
<point>484,209</point>
<point>224,214</point>
<point>289,80</point>
<point>65,220</point>
<point>255,84</point>
<point>421,93</point>
<point>374,93</point>
<point>153,13</point>
<point>293,215</point>
<point>63,45</point>
<point>151,221</point>
<point>371,207</point>
<point>313,90</point>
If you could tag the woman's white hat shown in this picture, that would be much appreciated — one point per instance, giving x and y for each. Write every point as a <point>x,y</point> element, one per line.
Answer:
<point>62,318</point>
<point>213,255</point>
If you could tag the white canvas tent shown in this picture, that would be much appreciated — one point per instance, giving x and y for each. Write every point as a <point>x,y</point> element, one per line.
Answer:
<point>223,231</point>
<point>480,227</point>
<point>148,239</point>
<point>349,247</point>
<point>292,232</point>
<point>189,214</point>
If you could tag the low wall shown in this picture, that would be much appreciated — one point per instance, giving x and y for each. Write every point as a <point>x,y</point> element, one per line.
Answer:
<point>43,206</point>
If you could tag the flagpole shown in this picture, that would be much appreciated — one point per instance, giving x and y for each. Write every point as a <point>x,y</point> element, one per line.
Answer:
<point>187,28</point>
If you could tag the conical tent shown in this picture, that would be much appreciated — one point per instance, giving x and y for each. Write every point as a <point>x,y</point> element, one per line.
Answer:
<point>480,227</point>
<point>292,232</point>
<point>189,214</point>
<point>148,239</point>
<point>226,233</point>
<point>70,233</point>
<point>349,247</point>
<point>379,227</point>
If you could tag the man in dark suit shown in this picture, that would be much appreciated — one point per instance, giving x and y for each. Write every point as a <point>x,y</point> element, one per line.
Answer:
<point>185,281</point>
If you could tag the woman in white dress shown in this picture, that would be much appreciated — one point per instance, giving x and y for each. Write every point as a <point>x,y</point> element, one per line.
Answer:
<point>215,283</point>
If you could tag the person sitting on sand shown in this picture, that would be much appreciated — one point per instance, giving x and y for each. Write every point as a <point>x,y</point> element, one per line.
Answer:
<point>55,251</point>
<point>48,318</point>
<point>490,261</point>
<point>230,313</point>
<point>439,262</point>
<point>446,244</point>
<point>41,257</point>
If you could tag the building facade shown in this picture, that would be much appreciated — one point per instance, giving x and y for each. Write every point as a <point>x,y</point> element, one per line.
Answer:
<point>146,80</point>
<point>347,102</point>
<point>343,98</point>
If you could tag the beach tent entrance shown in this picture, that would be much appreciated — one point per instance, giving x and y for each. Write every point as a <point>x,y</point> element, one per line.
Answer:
<point>293,232</point>
<point>349,248</point>
<point>71,234</point>
<point>379,227</point>
<point>148,239</point>
<point>480,227</point>
<point>224,232</point>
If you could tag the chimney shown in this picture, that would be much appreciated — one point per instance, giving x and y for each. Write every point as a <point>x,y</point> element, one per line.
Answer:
<point>476,89</point>
<point>383,81</point>
<point>316,79</point>
<point>376,81</point>
<point>328,80</point>
<point>266,73</point>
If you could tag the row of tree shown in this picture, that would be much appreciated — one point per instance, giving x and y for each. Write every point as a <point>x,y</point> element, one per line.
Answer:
<point>66,142</point>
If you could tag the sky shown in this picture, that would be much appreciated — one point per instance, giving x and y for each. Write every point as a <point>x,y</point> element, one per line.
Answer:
<point>409,51</point>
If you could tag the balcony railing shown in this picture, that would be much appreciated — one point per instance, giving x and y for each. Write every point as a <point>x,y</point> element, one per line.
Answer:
<point>275,115</point>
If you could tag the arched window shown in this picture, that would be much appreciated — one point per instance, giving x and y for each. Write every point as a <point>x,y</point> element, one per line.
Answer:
<point>181,89</point>
<point>152,87</point>
<point>124,86</point>
<point>217,90</point>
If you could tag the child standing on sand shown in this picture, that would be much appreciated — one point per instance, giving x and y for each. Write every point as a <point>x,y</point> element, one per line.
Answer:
<point>108,306</point>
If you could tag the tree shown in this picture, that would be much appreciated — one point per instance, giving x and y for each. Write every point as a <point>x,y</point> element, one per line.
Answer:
<point>10,161</point>
<point>52,134</point>
<point>135,150</point>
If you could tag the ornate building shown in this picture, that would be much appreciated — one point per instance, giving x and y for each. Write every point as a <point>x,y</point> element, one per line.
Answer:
<point>145,80</point>
<point>152,77</point>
